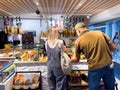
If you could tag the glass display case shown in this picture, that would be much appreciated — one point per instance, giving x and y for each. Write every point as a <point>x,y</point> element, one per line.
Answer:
<point>7,71</point>
<point>20,54</point>
<point>27,80</point>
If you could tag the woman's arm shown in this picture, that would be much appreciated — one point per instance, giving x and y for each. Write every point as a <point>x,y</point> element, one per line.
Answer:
<point>64,48</point>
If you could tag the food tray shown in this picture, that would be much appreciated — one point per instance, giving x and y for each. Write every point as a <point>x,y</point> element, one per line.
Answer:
<point>7,58</point>
<point>32,86</point>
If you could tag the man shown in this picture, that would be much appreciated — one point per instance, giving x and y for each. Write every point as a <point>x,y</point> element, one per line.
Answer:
<point>97,48</point>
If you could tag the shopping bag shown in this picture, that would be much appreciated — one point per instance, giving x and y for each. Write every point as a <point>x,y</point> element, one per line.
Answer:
<point>66,64</point>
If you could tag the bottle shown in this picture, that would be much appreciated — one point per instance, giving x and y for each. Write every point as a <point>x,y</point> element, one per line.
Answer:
<point>0,77</point>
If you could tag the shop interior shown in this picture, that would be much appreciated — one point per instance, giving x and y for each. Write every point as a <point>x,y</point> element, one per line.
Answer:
<point>24,26</point>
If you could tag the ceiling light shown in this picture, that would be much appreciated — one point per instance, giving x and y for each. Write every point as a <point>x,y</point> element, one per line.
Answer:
<point>88,16</point>
<point>37,3</point>
<point>79,4</point>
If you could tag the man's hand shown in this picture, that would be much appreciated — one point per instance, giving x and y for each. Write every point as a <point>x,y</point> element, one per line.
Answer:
<point>74,59</point>
<point>112,46</point>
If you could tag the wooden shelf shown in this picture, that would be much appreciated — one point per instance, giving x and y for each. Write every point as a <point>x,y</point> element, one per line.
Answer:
<point>82,84</point>
<point>7,58</point>
<point>86,85</point>
<point>19,62</point>
<point>32,86</point>
<point>77,84</point>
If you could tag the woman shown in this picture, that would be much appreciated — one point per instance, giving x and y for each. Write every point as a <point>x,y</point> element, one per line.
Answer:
<point>56,77</point>
<point>117,43</point>
<point>116,39</point>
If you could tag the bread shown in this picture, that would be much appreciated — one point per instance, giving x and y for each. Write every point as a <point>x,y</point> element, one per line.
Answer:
<point>35,78</point>
<point>18,79</point>
<point>28,82</point>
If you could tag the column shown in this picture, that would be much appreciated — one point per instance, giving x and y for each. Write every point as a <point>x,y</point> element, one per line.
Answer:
<point>114,28</point>
<point>108,30</point>
<point>91,27</point>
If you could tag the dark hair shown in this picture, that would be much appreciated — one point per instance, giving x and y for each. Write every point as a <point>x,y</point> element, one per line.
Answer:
<point>116,36</point>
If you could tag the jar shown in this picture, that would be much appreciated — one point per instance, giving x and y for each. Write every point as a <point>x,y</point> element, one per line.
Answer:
<point>38,46</point>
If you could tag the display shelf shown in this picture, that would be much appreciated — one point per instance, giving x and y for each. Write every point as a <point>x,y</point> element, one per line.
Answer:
<point>77,84</point>
<point>3,50</point>
<point>21,54</point>
<point>8,76</point>
<point>34,86</point>
<point>72,85</point>
<point>7,58</point>
<point>6,72</point>
<point>82,66</point>
<point>84,84</point>
<point>25,62</point>
<point>35,67</point>
<point>6,55</point>
<point>5,65</point>
<point>7,85</point>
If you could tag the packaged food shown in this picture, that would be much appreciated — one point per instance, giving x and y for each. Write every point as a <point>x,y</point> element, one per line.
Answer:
<point>18,79</point>
<point>35,78</point>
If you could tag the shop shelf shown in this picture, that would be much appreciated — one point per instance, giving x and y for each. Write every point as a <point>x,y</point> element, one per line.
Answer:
<point>33,86</point>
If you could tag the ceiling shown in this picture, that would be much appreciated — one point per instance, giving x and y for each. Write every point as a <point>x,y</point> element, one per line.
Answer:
<point>27,8</point>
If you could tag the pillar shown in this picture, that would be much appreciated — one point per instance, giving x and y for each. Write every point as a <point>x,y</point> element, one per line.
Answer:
<point>108,30</point>
<point>114,28</point>
<point>91,27</point>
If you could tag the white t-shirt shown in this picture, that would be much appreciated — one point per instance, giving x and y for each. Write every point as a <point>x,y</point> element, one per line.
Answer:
<point>60,44</point>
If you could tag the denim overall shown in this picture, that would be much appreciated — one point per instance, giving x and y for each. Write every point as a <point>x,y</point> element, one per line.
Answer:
<point>56,78</point>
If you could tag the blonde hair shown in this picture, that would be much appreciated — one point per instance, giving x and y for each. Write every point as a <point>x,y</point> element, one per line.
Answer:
<point>53,33</point>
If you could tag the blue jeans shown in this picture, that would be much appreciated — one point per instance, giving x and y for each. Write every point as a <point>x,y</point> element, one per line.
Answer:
<point>106,73</point>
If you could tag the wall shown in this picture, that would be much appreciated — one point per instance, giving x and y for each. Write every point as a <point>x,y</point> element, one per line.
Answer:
<point>36,25</point>
<point>110,28</point>
<point>32,25</point>
<point>1,24</point>
<point>109,14</point>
